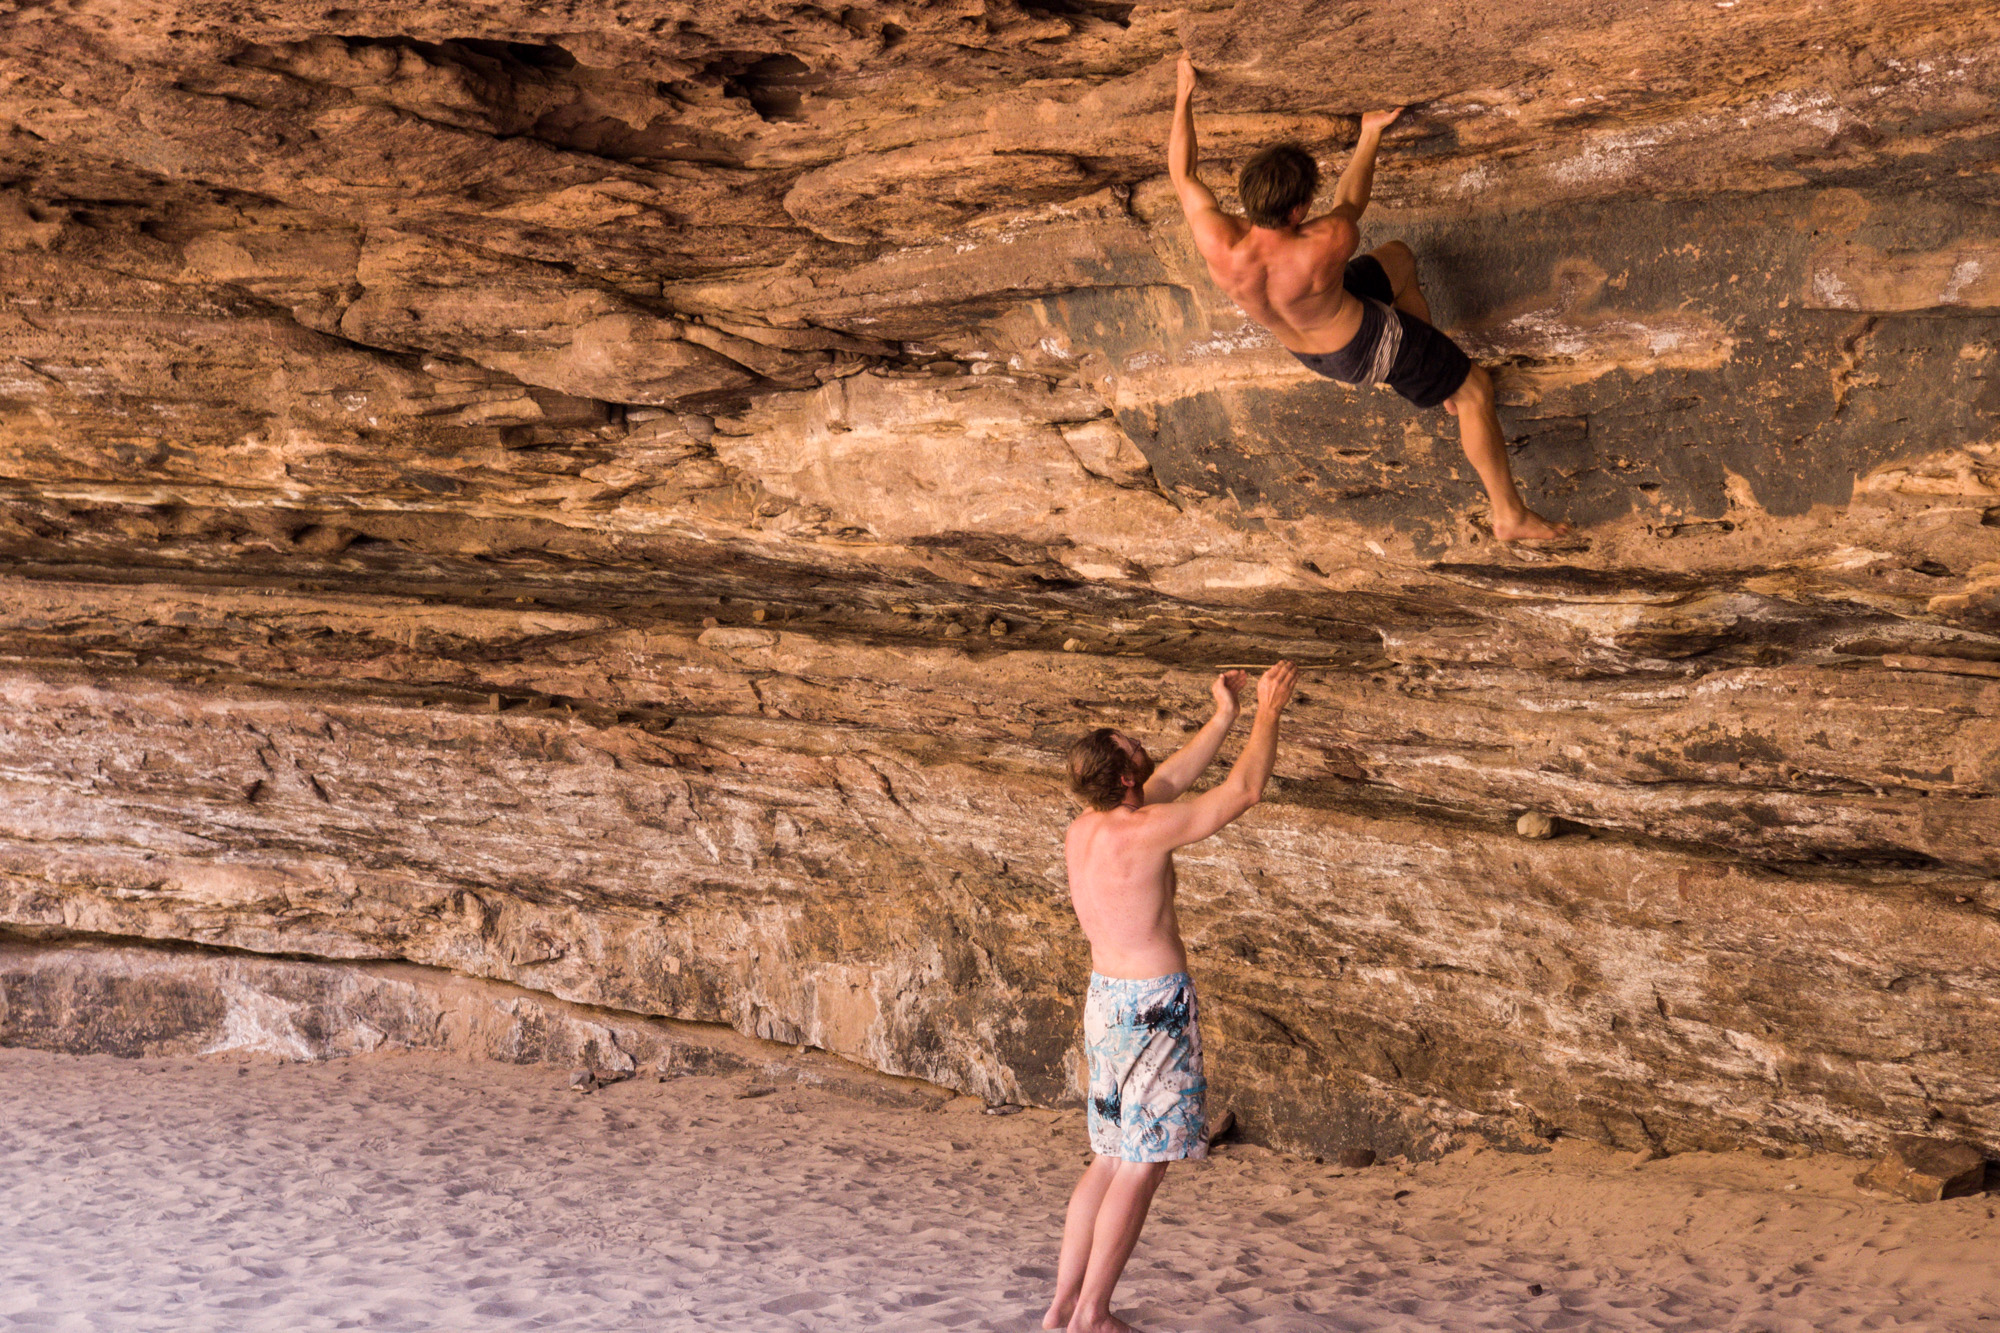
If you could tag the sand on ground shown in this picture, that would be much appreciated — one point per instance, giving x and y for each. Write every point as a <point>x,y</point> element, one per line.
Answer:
<point>413,1192</point>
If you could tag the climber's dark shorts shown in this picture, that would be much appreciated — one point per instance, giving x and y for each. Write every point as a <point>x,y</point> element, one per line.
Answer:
<point>1392,346</point>
<point>1366,277</point>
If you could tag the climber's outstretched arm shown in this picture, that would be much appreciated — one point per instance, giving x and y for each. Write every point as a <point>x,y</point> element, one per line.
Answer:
<point>1213,228</point>
<point>1350,196</point>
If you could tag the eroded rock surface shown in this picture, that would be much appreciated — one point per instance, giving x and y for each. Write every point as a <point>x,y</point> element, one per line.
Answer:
<point>631,502</point>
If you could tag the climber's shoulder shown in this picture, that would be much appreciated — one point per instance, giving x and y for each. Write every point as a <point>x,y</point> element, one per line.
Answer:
<point>1336,234</point>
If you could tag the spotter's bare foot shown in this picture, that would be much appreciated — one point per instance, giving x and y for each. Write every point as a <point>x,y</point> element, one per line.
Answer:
<point>1105,1323</point>
<point>1059,1315</point>
<point>1529,527</point>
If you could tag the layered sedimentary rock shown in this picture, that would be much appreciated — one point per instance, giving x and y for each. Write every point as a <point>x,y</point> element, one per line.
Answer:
<point>630,503</point>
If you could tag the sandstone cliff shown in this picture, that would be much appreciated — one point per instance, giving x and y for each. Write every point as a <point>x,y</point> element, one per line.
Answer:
<point>630,500</point>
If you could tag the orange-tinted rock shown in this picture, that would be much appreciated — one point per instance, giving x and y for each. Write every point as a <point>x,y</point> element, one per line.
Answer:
<point>632,502</point>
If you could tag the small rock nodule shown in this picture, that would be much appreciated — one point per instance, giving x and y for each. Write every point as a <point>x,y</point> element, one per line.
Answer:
<point>1224,1126</point>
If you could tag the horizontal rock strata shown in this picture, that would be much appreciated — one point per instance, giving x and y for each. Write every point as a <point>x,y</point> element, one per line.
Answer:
<point>803,855</point>
<point>630,504</point>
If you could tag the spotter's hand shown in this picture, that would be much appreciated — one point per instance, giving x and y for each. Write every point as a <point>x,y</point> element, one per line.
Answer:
<point>1228,689</point>
<point>1274,687</point>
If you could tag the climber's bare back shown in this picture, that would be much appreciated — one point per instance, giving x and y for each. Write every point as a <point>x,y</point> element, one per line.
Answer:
<point>1290,282</point>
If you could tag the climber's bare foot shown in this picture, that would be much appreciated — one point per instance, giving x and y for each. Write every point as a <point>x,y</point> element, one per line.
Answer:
<point>1528,527</point>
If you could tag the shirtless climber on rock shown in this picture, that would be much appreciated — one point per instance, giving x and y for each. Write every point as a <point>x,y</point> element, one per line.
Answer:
<point>1141,1023</point>
<point>1359,322</point>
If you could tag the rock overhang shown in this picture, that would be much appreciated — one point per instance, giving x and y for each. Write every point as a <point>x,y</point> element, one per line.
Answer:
<point>414,393</point>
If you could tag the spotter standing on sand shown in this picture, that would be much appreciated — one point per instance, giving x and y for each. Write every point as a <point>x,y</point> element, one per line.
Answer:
<point>1141,1023</point>
<point>1359,322</point>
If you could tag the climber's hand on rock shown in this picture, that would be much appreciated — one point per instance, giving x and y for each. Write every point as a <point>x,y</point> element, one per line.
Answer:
<point>1274,688</point>
<point>1227,690</point>
<point>1186,74</point>
<point>1379,120</point>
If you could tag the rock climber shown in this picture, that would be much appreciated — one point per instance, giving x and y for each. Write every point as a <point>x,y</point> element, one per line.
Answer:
<point>1360,321</point>
<point>1141,1023</point>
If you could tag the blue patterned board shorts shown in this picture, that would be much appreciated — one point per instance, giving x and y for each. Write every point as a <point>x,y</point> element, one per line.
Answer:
<point>1147,1092</point>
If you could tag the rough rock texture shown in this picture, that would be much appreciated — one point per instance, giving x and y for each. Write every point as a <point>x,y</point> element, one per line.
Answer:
<point>630,501</point>
<point>175,1001</point>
